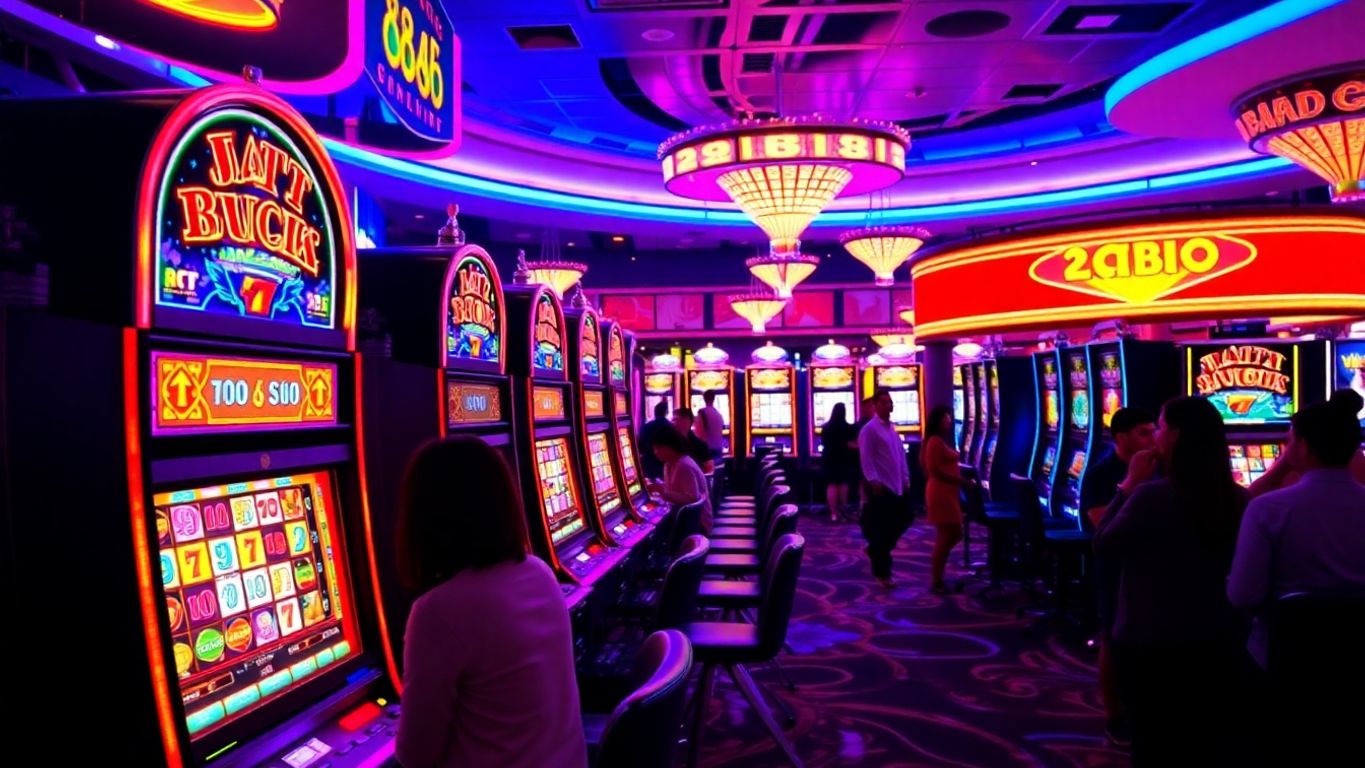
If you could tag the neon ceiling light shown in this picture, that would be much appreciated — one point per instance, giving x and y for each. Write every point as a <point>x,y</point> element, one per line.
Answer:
<point>1221,38</point>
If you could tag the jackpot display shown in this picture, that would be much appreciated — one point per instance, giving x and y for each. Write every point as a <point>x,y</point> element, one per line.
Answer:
<point>1247,383</point>
<point>558,493</point>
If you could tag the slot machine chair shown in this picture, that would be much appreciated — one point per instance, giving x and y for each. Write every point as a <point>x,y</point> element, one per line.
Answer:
<point>749,525</point>
<point>751,559</point>
<point>1001,520</point>
<point>643,728</point>
<point>1062,546</point>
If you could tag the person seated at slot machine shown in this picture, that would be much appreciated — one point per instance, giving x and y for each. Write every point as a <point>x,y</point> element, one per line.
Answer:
<point>488,667</point>
<point>1283,474</point>
<point>696,447</point>
<point>653,427</point>
<point>1309,537</point>
<point>683,483</point>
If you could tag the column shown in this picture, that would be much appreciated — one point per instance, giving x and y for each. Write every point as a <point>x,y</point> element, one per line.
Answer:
<point>938,374</point>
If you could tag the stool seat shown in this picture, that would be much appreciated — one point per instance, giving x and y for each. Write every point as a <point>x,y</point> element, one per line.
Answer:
<point>729,594</point>
<point>734,546</point>
<point>1002,514</point>
<point>724,642</point>
<point>732,562</point>
<point>734,531</point>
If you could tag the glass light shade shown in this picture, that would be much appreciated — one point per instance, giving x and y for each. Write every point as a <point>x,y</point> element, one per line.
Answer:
<point>757,308</point>
<point>783,199</point>
<point>709,356</point>
<point>559,276</point>
<point>769,353</point>
<point>1333,150</point>
<point>883,249</point>
<point>664,362</point>
<point>831,352</point>
<point>886,337</point>
<point>907,315</point>
<point>782,272</point>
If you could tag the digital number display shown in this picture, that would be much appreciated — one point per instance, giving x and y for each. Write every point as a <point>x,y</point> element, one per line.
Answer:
<point>198,393</point>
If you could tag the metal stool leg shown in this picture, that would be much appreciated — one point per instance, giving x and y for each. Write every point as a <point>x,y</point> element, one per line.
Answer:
<point>746,686</point>
<point>703,696</point>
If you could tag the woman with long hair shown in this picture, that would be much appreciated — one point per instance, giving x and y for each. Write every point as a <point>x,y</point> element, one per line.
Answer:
<point>488,668</point>
<point>1178,642</point>
<point>943,491</point>
<point>837,444</point>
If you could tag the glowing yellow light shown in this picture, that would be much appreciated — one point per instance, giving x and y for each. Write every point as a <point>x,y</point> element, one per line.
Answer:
<point>889,337</point>
<point>239,14</point>
<point>783,199</point>
<point>559,276</point>
<point>1335,151</point>
<point>883,249</point>
<point>907,315</point>
<point>757,308</point>
<point>782,271</point>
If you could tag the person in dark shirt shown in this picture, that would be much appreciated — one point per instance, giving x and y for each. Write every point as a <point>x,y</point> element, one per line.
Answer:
<point>652,467</point>
<point>696,447</point>
<point>1132,430</point>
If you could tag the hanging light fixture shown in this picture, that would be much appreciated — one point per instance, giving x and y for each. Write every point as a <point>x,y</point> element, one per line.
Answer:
<point>907,315</point>
<point>782,172</point>
<point>782,272</point>
<point>549,270</point>
<point>885,337</point>
<point>757,308</point>
<point>1316,123</point>
<point>884,249</point>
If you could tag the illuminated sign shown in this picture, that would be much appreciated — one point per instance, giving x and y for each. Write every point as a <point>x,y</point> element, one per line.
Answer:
<point>547,403</point>
<point>706,381</point>
<point>197,393</point>
<point>1319,100</point>
<point>616,356</point>
<point>770,378</point>
<point>1079,379</point>
<point>474,315</point>
<point>472,403</point>
<point>832,377</point>
<point>243,228</point>
<point>621,409</point>
<point>1350,367</point>
<point>411,57</point>
<point>547,341</point>
<point>898,376</point>
<point>242,14</point>
<point>773,144</point>
<point>594,404</point>
<point>1244,265</point>
<point>659,383</point>
<point>1247,383</point>
<point>589,342</point>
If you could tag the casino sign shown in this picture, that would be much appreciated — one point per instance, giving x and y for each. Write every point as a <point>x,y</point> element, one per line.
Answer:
<point>1148,269</point>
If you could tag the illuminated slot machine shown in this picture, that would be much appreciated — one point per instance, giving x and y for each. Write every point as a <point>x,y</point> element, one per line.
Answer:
<point>979,416</point>
<point>959,406</point>
<point>833,380</point>
<point>987,462</point>
<point>1047,385</point>
<point>663,384</point>
<point>770,384</point>
<point>608,502</point>
<point>1257,387</point>
<point>894,369</point>
<point>968,411</point>
<point>627,457</point>
<point>709,370</point>
<point>1348,365</point>
<point>435,365</point>
<point>1076,438</point>
<point>194,457</point>
<point>545,424</point>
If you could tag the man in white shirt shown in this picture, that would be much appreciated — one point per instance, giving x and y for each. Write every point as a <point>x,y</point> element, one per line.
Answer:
<point>886,474</point>
<point>710,426</point>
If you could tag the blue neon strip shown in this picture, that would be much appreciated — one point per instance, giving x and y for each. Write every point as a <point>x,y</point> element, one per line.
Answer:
<point>1215,40</point>
<point>489,188</point>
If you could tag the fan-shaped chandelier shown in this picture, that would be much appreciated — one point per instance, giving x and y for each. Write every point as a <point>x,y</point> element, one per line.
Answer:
<point>885,337</point>
<point>757,308</point>
<point>884,249</point>
<point>549,270</point>
<point>782,272</point>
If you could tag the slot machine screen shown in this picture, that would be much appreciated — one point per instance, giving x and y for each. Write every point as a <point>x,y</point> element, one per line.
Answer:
<point>1250,461</point>
<point>1247,383</point>
<point>1049,459</point>
<point>959,406</point>
<point>823,402</point>
<point>603,481</point>
<point>1080,410</point>
<point>1077,465</point>
<point>722,405</point>
<point>633,486</point>
<point>770,409</point>
<point>558,496</point>
<point>257,594</point>
<point>905,410</point>
<point>1052,413</point>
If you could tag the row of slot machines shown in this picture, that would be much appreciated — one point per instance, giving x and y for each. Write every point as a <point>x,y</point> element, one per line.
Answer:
<point>782,408</point>
<point>201,469</point>
<point>1256,385</point>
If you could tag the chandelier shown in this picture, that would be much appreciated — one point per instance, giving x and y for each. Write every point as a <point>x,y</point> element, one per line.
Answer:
<point>549,270</point>
<point>884,249</point>
<point>782,271</point>
<point>1317,124</point>
<point>887,337</point>
<point>907,315</point>
<point>782,172</point>
<point>757,308</point>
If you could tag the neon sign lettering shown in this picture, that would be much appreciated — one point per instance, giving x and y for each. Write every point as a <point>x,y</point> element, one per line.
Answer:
<point>548,341</point>
<point>1142,270</point>
<point>1242,367</point>
<point>412,64</point>
<point>1323,98</point>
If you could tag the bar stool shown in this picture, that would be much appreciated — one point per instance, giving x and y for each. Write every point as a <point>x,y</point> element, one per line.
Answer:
<point>643,728</point>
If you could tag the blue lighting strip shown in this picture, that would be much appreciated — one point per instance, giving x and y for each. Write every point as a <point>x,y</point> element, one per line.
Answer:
<point>1229,35</point>
<point>514,193</point>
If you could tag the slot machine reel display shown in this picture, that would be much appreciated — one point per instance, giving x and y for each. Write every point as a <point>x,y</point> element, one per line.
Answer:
<point>833,376</point>
<point>770,381</point>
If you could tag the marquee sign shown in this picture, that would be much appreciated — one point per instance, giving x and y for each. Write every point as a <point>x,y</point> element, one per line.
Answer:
<point>474,313</point>
<point>547,342</point>
<point>1146,270</point>
<point>412,56</point>
<point>1307,102</point>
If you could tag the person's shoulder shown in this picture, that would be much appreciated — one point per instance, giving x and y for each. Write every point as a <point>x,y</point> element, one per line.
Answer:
<point>1155,492</point>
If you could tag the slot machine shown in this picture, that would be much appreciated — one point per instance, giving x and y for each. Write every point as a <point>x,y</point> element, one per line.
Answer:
<point>608,502</point>
<point>663,384</point>
<point>1048,399</point>
<point>898,373</point>
<point>1017,418</point>
<point>627,457</point>
<point>545,428</point>
<point>770,391</point>
<point>709,370</point>
<point>959,406</point>
<point>1348,367</point>
<point>196,444</point>
<point>1078,435</point>
<point>432,331</point>
<point>1257,386</point>
<point>979,415</point>
<point>833,376</point>
<point>969,405</point>
<point>992,400</point>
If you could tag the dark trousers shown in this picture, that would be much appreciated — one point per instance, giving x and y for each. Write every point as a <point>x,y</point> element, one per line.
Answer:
<point>885,519</point>
<point>1184,705</point>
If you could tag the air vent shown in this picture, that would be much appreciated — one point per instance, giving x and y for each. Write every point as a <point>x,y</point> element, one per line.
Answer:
<point>1033,91</point>
<point>710,72</point>
<point>548,38</point>
<point>767,29</point>
<point>848,28</point>
<point>757,63</point>
<point>1116,19</point>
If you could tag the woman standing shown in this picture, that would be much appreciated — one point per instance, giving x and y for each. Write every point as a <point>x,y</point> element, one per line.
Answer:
<point>837,443</point>
<point>1178,642</point>
<point>943,490</point>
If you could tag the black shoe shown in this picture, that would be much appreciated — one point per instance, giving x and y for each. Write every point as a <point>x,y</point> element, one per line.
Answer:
<point>1116,730</point>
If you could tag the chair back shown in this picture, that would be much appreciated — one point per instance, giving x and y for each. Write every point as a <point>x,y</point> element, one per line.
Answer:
<point>782,522</point>
<point>1030,509</point>
<point>1315,642</point>
<point>688,523</point>
<point>677,602</point>
<point>643,729</point>
<point>781,574</point>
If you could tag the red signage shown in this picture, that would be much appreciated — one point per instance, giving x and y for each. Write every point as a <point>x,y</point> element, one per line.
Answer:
<point>1296,265</point>
<point>547,403</point>
<point>1304,103</point>
<point>594,404</point>
<point>200,393</point>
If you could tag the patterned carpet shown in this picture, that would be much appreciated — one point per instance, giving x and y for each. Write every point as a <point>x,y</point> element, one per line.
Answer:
<point>908,678</point>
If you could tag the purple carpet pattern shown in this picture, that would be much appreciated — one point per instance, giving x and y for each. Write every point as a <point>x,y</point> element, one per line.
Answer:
<point>904,677</point>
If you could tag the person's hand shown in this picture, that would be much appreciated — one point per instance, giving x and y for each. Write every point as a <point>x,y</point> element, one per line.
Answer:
<point>654,487</point>
<point>1140,469</point>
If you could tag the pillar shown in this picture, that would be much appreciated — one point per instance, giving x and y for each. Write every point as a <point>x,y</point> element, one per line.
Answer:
<point>938,374</point>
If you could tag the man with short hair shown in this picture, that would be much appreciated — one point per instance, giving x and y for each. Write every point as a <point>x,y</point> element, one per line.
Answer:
<point>886,515</point>
<point>696,447</point>
<point>652,467</point>
<point>710,425</point>
<point>1309,537</point>
<point>1132,430</point>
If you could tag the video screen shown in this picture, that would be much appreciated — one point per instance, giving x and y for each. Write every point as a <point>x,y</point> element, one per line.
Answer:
<point>722,405</point>
<point>653,400</point>
<point>1080,410</point>
<point>770,410</point>
<point>603,479</point>
<point>1349,364</point>
<point>905,407</point>
<point>823,402</point>
<point>1052,412</point>
<point>1077,465</point>
<point>1111,400</point>
<point>1247,383</point>
<point>1049,458</point>
<point>257,595</point>
<point>623,438</point>
<point>959,406</point>
<point>558,493</point>
<point>1250,461</point>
